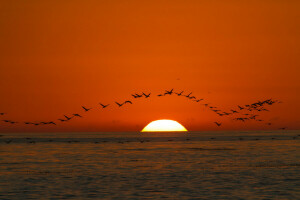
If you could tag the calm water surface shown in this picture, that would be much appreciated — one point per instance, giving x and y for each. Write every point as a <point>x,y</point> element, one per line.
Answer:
<point>214,165</point>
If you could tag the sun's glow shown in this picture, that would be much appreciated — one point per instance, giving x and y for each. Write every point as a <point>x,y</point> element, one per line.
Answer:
<point>164,125</point>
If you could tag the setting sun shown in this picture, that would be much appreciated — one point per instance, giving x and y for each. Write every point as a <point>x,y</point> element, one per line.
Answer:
<point>164,126</point>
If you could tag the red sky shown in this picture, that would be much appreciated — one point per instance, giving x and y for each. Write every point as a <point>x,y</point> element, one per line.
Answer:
<point>56,56</point>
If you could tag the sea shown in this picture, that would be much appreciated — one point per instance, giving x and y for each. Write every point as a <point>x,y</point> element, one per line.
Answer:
<point>132,165</point>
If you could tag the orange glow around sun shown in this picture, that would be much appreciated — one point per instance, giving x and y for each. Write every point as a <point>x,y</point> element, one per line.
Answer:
<point>164,125</point>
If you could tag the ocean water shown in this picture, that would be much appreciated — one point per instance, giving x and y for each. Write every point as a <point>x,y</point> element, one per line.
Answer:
<point>196,165</point>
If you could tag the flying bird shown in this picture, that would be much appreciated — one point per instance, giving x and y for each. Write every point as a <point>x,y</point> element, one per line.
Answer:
<point>103,106</point>
<point>146,95</point>
<point>241,108</point>
<point>127,102</point>
<point>62,120</point>
<point>179,94</point>
<point>68,118</point>
<point>188,96</point>
<point>119,104</point>
<point>169,92</point>
<point>218,124</point>
<point>76,115</point>
<point>86,109</point>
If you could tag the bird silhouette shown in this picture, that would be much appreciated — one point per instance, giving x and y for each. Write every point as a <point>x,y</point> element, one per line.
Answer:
<point>52,123</point>
<point>119,104</point>
<point>68,118</point>
<point>241,108</point>
<point>146,95</point>
<point>86,109</point>
<point>76,115</point>
<point>169,92</point>
<point>62,120</point>
<point>103,106</point>
<point>198,100</point>
<point>179,94</point>
<point>188,96</point>
<point>218,124</point>
<point>127,102</point>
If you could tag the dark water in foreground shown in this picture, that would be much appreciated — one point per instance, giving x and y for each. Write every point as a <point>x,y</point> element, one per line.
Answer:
<point>215,165</point>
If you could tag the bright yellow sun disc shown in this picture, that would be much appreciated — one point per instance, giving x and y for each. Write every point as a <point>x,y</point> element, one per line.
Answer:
<point>164,125</point>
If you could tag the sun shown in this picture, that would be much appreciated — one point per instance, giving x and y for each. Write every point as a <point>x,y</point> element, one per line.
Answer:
<point>164,125</point>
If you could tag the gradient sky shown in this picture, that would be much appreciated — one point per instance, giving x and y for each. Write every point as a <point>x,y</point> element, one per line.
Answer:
<point>56,56</point>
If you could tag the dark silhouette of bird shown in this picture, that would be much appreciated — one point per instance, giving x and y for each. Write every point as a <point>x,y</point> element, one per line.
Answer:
<point>86,109</point>
<point>138,95</point>
<point>12,122</point>
<point>160,95</point>
<point>103,106</point>
<point>218,124</point>
<point>68,118</point>
<point>146,95</point>
<point>234,111</point>
<point>179,94</point>
<point>188,96</point>
<point>269,124</point>
<point>169,92</point>
<point>198,100</point>
<point>77,115</point>
<point>62,120</point>
<point>134,96</point>
<point>52,123</point>
<point>119,104</point>
<point>241,108</point>
<point>283,128</point>
<point>127,102</point>
<point>5,120</point>
<point>27,123</point>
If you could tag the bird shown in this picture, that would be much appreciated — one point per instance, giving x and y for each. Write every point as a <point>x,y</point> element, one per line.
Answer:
<point>103,106</point>
<point>160,95</point>
<point>119,104</point>
<point>218,124</point>
<point>77,115</point>
<point>188,96</point>
<point>169,92</point>
<point>198,100</point>
<point>146,95</point>
<point>127,102</point>
<point>241,108</point>
<point>234,111</point>
<point>27,123</point>
<point>269,124</point>
<point>138,95</point>
<point>62,120</point>
<point>52,123</point>
<point>86,109</point>
<point>134,96</point>
<point>68,118</point>
<point>283,128</point>
<point>179,94</point>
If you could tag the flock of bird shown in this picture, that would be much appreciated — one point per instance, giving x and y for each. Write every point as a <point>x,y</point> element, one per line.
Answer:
<point>238,113</point>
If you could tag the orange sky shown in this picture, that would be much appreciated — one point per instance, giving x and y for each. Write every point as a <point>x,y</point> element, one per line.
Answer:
<point>58,55</point>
